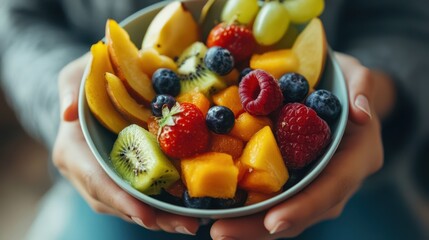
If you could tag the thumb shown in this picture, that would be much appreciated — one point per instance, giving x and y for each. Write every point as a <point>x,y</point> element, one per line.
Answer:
<point>69,80</point>
<point>360,87</point>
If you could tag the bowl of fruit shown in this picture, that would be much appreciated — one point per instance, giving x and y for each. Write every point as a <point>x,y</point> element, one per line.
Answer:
<point>203,109</point>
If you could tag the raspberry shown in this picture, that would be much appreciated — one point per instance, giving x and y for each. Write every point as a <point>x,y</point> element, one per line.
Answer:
<point>260,93</point>
<point>301,135</point>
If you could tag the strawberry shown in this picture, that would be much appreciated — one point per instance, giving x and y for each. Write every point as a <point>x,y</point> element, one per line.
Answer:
<point>182,131</point>
<point>301,135</point>
<point>238,39</point>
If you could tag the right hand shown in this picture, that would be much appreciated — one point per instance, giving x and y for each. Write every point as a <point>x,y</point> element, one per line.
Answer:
<point>75,161</point>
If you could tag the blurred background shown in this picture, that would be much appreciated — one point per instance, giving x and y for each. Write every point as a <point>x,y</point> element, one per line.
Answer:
<point>24,176</point>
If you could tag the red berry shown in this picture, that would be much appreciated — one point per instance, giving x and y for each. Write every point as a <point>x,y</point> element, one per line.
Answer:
<point>260,93</point>
<point>301,135</point>
<point>183,132</point>
<point>238,39</point>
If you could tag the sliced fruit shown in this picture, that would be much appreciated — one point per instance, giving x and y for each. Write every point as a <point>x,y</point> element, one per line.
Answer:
<point>124,103</point>
<point>226,144</point>
<point>151,60</point>
<point>196,98</point>
<point>95,93</point>
<point>276,62</point>
<point>246,125</point>
<point>172,30</point>
<point>229,98</point>
<point>137,157</point>
<point>126,62</point>
<point>210,175</point>
<point>194,75</point>
<point>310,48</point>
<point>267,170</point>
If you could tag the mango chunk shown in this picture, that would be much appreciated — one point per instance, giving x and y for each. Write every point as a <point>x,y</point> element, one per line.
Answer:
<point>210,175</point>
<point>229,98</point>
<point>247,125</point>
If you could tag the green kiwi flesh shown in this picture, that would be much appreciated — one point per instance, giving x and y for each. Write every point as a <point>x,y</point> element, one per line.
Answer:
<point>194,75</point>
<point>136,156</point>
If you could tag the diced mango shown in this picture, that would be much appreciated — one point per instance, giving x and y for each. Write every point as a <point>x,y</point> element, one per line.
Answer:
<point>196,98</point>
<point>276,62</point>
<point>226,144</point>
<point>229,98</point>
<point>210,175</point>
<point>268,172</point>
<point>246,125</point>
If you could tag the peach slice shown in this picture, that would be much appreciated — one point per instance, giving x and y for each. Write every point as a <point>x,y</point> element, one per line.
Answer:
<point>172,30</point>
<point>151,61</point>
<point>126,62</point>
<point>310,47</point>
<point>96,94</point>
<point>124,103</point>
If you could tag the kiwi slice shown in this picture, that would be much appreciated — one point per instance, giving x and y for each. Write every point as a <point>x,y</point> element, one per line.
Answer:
<point>193,73</point>
<point>137,157</point>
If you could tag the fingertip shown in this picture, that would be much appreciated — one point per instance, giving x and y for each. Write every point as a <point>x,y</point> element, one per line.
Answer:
<point>360,110</point>
<point>69,107</point>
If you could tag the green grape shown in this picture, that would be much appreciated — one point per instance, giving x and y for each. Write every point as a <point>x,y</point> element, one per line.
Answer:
<point>301,11</point>
<point>243,11</point>
<point>271,23</point>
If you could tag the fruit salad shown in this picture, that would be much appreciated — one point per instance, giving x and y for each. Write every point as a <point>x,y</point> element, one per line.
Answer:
<point>221,121</point>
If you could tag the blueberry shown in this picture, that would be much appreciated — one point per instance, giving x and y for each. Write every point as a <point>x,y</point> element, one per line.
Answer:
<point>237,201</point>
<point>159,101</point>
<point>196,202</point>
<point>325,103</point>
<point>243,73</point>
<point>219,60</point>
<point>220,119</point>
<point>165,196</point>
<point>165,81</point>
<point>294,87</point>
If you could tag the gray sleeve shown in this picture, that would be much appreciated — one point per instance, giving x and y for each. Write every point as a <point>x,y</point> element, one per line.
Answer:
<point>393,36</point>
<point>35,45</point>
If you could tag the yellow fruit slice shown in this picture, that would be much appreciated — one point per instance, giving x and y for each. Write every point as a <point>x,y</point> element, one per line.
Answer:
<point>126,63</point>
<point>96,94</point>
<point>124,103</point>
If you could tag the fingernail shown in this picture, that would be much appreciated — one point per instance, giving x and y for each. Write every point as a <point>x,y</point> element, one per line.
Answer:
<point>139,222</point>
<point>362,103</point>
<point>66,102</point>
<point>279,227</point>
<point>183,230</point>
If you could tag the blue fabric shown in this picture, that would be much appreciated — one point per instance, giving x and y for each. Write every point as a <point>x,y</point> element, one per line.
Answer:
<point>64,215</point>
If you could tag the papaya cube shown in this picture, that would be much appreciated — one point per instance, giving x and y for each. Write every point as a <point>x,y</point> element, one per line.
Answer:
<point>246,125</point>
<point>226,144</point>
<point>229,98</point>
<point>261,181</point>
<point>210,175</point>
<point>196,98</point>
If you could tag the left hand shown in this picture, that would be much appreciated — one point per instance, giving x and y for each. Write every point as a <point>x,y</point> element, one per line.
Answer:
<point>359,155</point>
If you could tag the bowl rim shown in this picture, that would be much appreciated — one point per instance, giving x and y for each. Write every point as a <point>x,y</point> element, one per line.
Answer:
<point>83,111</point>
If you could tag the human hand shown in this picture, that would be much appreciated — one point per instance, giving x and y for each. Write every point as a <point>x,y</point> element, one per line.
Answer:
<point>76,162</point>
<point>359,155</point>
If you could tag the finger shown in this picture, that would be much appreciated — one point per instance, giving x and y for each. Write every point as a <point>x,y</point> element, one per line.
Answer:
<point>93,183</point>
<point>328,190</point>
<point>176,224</point>
<point>251,227</point>
<point>69,81</point>
<point>360,87</point>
